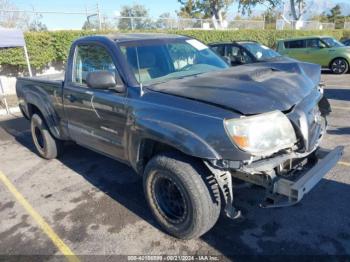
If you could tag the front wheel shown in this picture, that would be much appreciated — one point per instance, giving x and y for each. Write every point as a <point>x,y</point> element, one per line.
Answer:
<point>47,146</point>
<point>339,66</point>
<point>179,195</point>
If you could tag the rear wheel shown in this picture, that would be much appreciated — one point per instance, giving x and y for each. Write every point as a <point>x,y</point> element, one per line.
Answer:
<point>47,146</point>
<point>179,196</point>
<point>339,66</point>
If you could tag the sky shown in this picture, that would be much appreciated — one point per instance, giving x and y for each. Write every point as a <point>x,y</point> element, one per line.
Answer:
<point>109,8</point>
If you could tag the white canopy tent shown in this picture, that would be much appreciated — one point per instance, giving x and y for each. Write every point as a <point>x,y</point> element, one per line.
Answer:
<point>10,38</point>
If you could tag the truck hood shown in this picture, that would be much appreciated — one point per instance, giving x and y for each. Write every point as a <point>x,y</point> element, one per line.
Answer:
<point>249,89</point>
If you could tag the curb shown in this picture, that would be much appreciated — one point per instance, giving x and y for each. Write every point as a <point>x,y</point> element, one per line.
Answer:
<point>12,110</point>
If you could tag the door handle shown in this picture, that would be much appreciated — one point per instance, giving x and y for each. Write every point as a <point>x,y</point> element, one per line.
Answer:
<point>71,98</point>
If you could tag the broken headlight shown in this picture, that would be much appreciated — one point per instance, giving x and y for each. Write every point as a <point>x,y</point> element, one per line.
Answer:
<point>263,134</point>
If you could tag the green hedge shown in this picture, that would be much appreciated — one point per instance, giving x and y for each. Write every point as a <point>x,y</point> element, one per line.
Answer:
<point>47,47</point>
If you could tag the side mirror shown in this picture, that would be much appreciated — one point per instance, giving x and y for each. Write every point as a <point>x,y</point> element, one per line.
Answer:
<point>102,80</point>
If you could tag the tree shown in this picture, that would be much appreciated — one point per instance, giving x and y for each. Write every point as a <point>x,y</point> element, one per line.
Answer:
<point>36,25</point>
<point>246,5</point>
<point>165,21</point>
<point>335,16</point>
<point>134,17</point>
<point>18,19</point>
<point>92,23</point>
<point>297,8</point>
<point>189,9</point>
<point>12,19</point>
<point>270,17</point>
<point>335,13</point>
<point>215,9</point>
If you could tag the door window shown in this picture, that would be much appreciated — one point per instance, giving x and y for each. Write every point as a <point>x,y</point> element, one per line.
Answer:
<point>295,44</point>
<point>314,43</point>
<point>233,51</point>
<point>237,54</point>
<point>90,58</point>
<point>220,49</point>
<point>246,57</point>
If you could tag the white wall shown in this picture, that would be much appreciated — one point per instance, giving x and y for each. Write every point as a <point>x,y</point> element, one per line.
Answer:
<point>8,76</point>
<point>8,84</point>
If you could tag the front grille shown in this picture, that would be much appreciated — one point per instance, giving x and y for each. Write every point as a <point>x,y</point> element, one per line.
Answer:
<point>310,126</point>
<point>317,126</point>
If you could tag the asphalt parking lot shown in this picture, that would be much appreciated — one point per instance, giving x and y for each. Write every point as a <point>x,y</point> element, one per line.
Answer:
<point>95,206</point>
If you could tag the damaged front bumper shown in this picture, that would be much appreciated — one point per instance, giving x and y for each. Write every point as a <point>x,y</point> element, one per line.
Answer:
<point>294,191</point>
<point>284,190</point>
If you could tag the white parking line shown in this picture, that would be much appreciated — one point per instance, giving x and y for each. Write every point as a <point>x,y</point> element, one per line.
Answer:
<point>341,107</point>
<point>344,163</point>
<point>335,85</point>
<point>57,241</point>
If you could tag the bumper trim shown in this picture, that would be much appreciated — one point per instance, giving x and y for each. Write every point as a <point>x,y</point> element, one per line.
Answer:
<point>295,191</point>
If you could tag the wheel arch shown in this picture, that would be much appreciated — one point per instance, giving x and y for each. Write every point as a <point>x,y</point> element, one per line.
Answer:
<point>33,108</point>
<point>338,57</point>
<point>148,147</point>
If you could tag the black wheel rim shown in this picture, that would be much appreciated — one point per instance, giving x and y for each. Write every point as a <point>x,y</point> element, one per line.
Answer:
<point>39,137</point>
<point>169,199</point>
<point>339,66</point>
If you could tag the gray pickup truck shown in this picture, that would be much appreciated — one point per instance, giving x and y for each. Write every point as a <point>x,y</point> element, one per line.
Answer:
<point>185,121</point>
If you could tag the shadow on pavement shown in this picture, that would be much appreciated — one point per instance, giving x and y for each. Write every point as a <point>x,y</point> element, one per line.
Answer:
<point>318,225</point>
<point>327,72</point>
<point>339,131</point>
<point>338,94</point>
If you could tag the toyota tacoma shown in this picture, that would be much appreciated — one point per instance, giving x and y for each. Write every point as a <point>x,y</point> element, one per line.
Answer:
<point>187,122</point>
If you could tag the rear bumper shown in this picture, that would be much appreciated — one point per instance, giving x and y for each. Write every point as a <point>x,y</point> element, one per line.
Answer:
<point>295,190</point>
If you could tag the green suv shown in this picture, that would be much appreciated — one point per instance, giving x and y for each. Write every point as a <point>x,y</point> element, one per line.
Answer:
<point>325,51</point>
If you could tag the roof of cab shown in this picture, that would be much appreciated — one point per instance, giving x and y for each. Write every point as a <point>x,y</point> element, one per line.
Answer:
<point>233,41</point>
<point>303,38</point>
<point>143,36</point>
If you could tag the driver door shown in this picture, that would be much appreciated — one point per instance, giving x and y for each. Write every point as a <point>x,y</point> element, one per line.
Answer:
<point>316,51</point>
<point>96,117</point>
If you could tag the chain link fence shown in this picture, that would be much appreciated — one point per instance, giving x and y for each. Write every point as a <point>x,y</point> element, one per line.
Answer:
<point>246,24</point>
<point>94,19</point>
<point>147,23</point>
<point>347,25</point>
<point>140,23</point>
<point>303,25</point>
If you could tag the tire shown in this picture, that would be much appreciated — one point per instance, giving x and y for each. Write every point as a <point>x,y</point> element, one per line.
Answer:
<point>339,66</point>
<point>178,193</point>
<point>46,145</point>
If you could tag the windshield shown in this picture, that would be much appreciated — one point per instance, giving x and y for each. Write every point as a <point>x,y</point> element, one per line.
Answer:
<point>159,61</point>
<point>331,42</point>
<point>260,52</point>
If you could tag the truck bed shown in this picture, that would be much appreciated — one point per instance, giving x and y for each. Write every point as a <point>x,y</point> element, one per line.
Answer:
<point>44,92</point>
<point>51,78</point>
